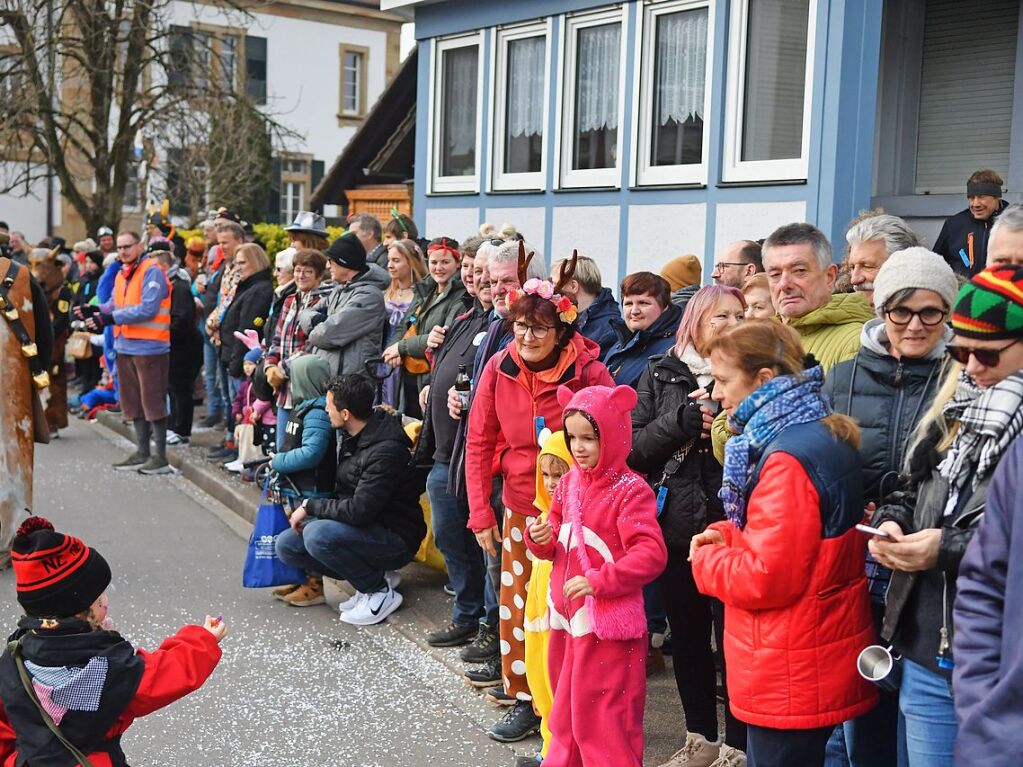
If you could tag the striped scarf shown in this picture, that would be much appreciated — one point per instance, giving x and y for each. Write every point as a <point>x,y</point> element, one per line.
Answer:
<point>989,420</point>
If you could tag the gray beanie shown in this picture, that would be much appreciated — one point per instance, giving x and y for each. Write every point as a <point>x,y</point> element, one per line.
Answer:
<point>915,269</point>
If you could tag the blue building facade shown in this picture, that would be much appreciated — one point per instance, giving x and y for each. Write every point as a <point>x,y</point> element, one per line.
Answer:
<point>639,131</point>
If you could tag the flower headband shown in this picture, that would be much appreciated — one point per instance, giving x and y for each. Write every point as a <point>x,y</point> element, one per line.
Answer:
<point>567,311</point>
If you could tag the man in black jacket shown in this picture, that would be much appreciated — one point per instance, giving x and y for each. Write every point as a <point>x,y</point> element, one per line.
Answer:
<point>373,524</point>
<point>964,237</point>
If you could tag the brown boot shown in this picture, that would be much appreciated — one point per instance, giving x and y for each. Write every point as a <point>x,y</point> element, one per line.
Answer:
<point>308,594</point>
<point>282,591</point>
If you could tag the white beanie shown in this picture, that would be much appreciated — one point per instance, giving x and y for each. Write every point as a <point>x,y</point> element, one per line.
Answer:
<point>914,269</point>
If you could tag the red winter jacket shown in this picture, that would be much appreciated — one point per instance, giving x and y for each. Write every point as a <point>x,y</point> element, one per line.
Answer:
<point>796,606</point>
<point>508,400</point>
<point>179,666</point>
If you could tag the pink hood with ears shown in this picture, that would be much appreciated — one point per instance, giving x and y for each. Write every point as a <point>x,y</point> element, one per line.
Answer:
<point>611,409</point>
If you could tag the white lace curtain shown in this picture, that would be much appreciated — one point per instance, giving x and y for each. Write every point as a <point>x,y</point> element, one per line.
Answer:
<point>460,94</point>
<point>526,69</point>
<point>597,77</point>
<point>681,65</point>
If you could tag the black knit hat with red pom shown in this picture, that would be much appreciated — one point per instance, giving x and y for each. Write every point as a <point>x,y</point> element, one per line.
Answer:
<point>57,575</point>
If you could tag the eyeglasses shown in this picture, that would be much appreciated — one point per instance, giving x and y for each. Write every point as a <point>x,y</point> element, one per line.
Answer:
<point>539,331</point>
<point>989,358</point>
<point>303,272</point>
<point>930,316</point>
<point>720,265</point>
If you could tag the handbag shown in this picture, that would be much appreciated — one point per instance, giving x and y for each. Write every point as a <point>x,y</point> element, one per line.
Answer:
<point>414,365</point>
<point>79,345</point>
<point>263,568</point>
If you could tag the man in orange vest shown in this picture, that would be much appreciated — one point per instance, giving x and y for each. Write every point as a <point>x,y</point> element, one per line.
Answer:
<point>140,313</point>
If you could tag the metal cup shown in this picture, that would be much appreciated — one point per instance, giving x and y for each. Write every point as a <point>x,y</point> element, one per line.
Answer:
<point>877,664</point>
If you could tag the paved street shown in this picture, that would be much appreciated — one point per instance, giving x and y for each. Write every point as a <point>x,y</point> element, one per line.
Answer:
<point>296,687</point>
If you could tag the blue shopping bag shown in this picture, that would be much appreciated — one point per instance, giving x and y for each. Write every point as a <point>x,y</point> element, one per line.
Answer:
<point>262,566</point>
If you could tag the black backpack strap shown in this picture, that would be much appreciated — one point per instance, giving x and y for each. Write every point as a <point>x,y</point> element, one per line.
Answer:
<point>14,648</point>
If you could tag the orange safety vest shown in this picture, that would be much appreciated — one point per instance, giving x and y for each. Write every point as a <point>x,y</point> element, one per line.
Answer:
<point>129,293</point>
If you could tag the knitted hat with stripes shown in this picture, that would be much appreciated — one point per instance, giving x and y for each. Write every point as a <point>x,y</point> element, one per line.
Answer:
<point>990,306</point>
<point>57,575</point>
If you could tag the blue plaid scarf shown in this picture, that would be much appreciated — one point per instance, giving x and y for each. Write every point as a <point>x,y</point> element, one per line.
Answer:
<point>781,402</point>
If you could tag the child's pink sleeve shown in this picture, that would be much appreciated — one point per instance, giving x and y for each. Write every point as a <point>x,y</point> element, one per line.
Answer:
<point>554,519</point>
<point>645,553</point>
<point>181,665</point>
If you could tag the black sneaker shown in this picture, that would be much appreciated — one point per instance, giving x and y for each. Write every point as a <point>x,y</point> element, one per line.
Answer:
<point>219,453</point>
<point>499,696</point>
<point>528,761</point>
<point>452,636</point>
<point>518,723</point>
<point>486,675</point>
<point>486,646</point>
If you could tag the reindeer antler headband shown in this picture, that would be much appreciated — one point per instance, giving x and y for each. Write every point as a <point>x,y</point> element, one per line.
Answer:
<point>567,311</point>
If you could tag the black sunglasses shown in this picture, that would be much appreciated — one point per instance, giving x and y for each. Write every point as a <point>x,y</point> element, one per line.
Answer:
<point>989,358</point>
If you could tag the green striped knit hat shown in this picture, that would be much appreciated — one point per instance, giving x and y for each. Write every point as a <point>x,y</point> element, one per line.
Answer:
<point>990,306</point>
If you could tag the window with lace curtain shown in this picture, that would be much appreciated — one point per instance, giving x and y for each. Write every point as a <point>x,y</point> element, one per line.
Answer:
<point>675,71</point>
<point>770,83</point>
<point>520,101</point>
<point>591,99</point>
<point>455,104</point>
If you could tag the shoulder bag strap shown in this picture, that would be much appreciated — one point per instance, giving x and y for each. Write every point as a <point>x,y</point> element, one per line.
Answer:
<point>14,648</point>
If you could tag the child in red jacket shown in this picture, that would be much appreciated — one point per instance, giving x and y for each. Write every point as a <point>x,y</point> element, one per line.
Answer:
<point>603,538</point>
<point>70,685</point>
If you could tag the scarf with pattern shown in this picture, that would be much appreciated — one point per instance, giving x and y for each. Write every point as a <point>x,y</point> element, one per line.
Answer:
<point>781,402</point>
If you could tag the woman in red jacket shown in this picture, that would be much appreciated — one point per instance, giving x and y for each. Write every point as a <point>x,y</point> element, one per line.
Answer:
<point>787,562</point>
<point>515,400</point>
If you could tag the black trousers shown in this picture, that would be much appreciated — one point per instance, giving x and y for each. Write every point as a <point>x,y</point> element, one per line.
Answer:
<point>184,367</point>
<point>693,616</point>
<point>767,747</point>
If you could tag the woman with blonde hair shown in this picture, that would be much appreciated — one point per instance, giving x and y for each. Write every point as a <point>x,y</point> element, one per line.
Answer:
<point>787,562</point>
<point>406,267</point>
<point>249,308</point>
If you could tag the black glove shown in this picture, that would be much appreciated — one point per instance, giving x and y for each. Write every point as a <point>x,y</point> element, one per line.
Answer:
<point>689,417</point>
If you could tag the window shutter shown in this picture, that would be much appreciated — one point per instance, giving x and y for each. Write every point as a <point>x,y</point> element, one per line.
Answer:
<point>318,170</point>
<point>255,68</point>
<point>273,198</point>
<point>969,57</point>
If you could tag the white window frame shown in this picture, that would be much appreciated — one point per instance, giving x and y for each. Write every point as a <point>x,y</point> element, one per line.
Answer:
<point>568,177</point>
<point>643,173</point>
<point>444,184</point>
<point>499,180</point>
<point>734,168</point>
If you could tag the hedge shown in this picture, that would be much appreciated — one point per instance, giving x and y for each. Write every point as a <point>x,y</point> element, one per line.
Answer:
<point>273,236</point>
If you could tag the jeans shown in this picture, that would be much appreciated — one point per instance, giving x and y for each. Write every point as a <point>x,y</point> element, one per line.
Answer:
<point>462,553</point>
<point>283,415</point>
<point>928,723</point>
<point>492,587</point>
<point>768,747</point>
<point>215,404</point>
<point>359,555</point>
<point>656,619</point>
<point>870,740</point>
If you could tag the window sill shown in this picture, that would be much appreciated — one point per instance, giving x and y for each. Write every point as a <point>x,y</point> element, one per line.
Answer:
<point>350,121</point>
<point>766,182</point>
<point>656,187</point>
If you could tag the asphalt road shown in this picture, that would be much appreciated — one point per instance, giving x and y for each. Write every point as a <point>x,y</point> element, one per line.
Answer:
<point>296,687</point>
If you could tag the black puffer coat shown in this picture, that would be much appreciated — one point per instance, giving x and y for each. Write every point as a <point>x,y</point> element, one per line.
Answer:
<point>692,501</point>
<point>887,397</point>
<point>248,311</point>
<point>375,485</point>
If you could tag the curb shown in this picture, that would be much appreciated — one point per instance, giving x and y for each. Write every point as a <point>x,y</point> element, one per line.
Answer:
<point>240,500</point>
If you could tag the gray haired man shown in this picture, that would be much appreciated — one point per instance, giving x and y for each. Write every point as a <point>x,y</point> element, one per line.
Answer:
<point>871,241</point>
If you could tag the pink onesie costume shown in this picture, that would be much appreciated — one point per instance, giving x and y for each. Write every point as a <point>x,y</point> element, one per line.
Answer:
<point>605,527</point>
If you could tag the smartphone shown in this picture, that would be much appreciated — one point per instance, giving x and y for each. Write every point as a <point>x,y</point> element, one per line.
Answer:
<point>868,530</point>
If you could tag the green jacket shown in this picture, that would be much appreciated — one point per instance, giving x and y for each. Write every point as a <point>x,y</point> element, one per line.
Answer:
<point>831,334</point>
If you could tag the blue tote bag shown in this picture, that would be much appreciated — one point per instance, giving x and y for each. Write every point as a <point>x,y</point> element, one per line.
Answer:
<point>262,566</point>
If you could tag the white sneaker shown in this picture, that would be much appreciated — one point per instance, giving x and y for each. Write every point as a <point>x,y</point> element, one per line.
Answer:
<point>393,578</point>
<point>234,466</point>
<point>373,608</point>
<point>350,603</point>
<point>730,757</point>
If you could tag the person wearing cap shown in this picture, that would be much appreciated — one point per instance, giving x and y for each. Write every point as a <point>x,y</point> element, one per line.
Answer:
<point>683,275</point>
<point>963,240</point>
<point>348,328</point>
<point>67,670</point>
<point>140,313</point>
<point>105,240</point>
<point>887,387</point>
<point>308,230</point>
<point>976,415</point>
